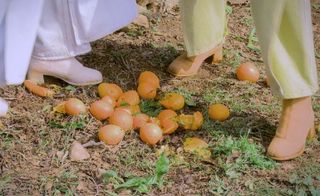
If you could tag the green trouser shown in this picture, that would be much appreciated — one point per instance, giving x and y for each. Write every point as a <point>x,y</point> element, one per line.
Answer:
<point>284,30</point>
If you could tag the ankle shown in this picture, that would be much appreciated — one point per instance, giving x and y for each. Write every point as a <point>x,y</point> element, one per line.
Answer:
<point>301,103</point>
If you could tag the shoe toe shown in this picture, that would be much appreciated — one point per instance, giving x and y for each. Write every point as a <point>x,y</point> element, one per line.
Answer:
<point>86,76</point>
<point>282,149</point>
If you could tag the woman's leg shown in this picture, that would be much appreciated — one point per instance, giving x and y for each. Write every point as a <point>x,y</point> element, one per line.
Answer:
<point>3,104</point>
<point>284,30</point>
<point>56,47</point>
<point>65,31</point>
<point>203,24</point>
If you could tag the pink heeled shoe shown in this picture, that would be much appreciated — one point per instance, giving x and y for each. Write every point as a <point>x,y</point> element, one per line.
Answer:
<point>69,70</point>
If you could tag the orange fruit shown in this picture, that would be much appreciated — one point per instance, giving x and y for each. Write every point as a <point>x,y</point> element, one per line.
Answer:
<point>121,118</point>
<point>111,134</point>
<point>134,109</point>
<point>173,101</point>
<point>128,98</point>
<point>150,133</point>
<point>109,100</point>
<point>165,114</point>
<point>191,122</point>
<point>139,120</point>
<point>186,121</point>
<point>110,89</point>
<point>147,90</point>
<point>168,120</point>
<point>197,121</point>
<point>149,77</point>
<point>169,126</point>
<point>101,110</point>
<point>74,107</point>
<point>218,112</point>
<point>248,71</point>
<point>154,120</point>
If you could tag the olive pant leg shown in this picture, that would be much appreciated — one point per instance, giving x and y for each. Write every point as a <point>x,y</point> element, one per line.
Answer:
<point>284,31</point>
<point>203,24</point>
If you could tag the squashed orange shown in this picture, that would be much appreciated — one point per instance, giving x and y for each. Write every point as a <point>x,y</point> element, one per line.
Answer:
<point>168,121</point>
<point>149,77</point>
<point>110,89</point>
<point>134,109</point>
<point>191,122</point>
<point>173,101</point>
<point>197,121</point>
<point>129,98</point>
<point>147,90</point>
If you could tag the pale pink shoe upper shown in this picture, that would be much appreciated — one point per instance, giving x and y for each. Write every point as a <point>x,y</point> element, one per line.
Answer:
<point>297,119</point>
<point>70,70</point>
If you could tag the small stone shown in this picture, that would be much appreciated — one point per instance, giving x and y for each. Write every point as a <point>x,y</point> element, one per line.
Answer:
<point>141,20</point>
<point>78,152</point>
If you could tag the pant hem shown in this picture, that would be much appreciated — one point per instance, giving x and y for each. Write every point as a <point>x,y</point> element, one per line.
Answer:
<point>57,56</point>
<point>305,93</point>
<point>204,49</point>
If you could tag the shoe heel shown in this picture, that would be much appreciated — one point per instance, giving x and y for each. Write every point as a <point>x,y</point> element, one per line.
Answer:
<point>312,135</point>
<point>36,76</point>
<point>217,55</point>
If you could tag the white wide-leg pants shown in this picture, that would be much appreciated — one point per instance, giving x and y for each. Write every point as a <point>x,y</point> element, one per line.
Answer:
<point>54,29</point>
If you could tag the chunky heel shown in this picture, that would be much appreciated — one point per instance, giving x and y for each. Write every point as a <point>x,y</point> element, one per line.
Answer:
<point>217,55</point>
<point>36,76</point>
<point>312,135</point>
<point>189,66</point>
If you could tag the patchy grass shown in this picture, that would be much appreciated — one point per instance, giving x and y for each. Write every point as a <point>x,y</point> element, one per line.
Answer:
<point>237,156</point>
<point>34,142</point>
<point>150,107</point>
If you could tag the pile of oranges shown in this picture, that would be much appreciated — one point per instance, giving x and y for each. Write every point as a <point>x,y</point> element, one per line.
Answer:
<point>122,112</point>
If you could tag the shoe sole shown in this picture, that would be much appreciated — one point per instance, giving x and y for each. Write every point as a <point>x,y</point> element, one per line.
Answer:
<point>72,83</point>
<point>288,157</point>
<point>180,75</point>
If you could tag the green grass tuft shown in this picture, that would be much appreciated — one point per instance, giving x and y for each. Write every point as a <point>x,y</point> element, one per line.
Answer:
<point>151,108</point>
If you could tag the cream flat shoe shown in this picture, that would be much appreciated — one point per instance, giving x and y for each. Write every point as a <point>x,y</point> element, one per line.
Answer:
<point>69,70</point>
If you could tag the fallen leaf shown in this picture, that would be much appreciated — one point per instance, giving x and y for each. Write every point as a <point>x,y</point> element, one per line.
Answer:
<point>234,2</point>
<point>164,149</point>
<point>197,146</point>
<point>60,108</point>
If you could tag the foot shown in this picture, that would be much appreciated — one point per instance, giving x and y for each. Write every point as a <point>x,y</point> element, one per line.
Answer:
<point>296,122</point>
<point>3,107</point>
<point>188,66</point>
<point>69,70</point>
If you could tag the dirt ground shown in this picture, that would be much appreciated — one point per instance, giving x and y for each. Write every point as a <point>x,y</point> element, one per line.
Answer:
<point>34,141</point>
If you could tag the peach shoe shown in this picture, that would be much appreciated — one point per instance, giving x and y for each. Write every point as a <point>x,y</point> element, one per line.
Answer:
<point>296,124</point>
<point>188,66</point>
<point>69,70</point>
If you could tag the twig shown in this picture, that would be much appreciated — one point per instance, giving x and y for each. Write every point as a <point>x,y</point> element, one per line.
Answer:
<point>95,183</point>
<point>92,143</point>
